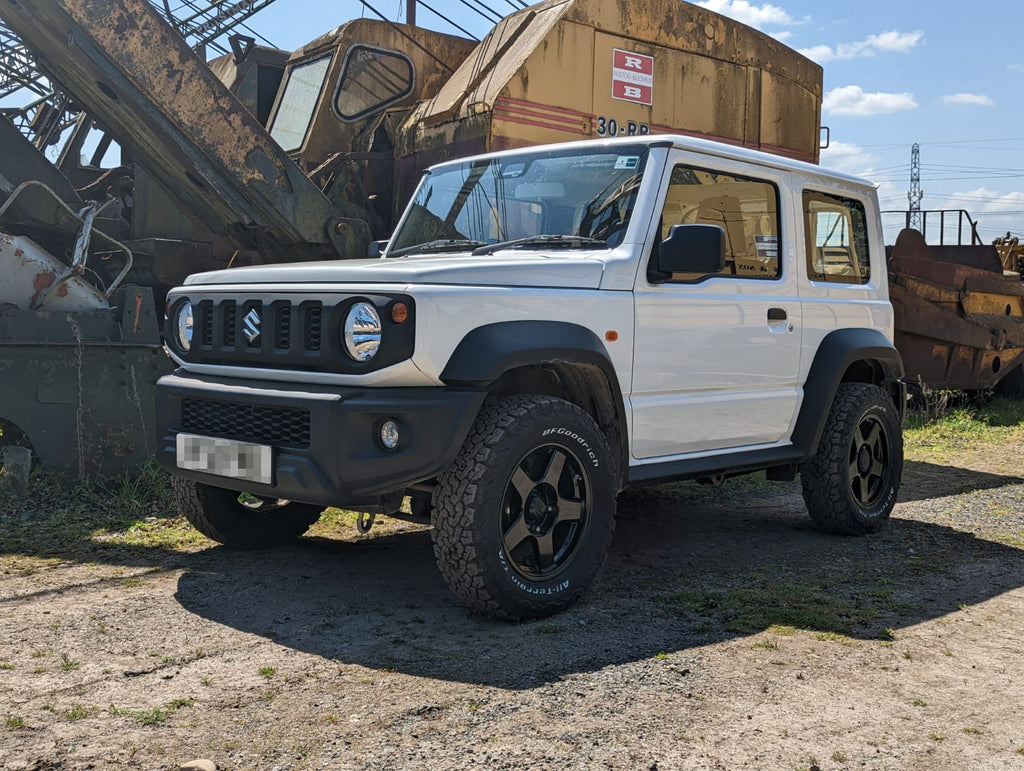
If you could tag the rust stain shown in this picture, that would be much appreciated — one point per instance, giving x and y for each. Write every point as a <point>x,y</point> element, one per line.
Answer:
<point>41,282</point>
<point>19,252</point>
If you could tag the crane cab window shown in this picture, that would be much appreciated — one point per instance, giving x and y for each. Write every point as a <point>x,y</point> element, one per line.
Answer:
<point>837,239</point>
<point>746,209</point>
<point>371,79</point>
<point>298,103</point>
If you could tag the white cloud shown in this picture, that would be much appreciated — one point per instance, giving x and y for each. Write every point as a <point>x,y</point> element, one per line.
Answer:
<point>853,100</point>
<point>853,159</point>
<point>976,99</point>
<point>891,41</point>
<point>756,16</point>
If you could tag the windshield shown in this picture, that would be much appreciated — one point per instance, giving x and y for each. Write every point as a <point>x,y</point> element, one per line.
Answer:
<point>565,198</point>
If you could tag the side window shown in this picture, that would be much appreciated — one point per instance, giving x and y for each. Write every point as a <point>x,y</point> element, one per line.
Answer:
<point>746,209</point>
<point>837,240</point>
<point>301,94</point>
<point>371,79</point>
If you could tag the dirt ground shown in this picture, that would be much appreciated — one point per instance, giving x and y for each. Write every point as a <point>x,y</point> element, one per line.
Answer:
<point>723,632</point>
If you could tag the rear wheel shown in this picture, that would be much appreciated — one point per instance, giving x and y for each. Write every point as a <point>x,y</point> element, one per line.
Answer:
<point>523,519</point>
<point>851,483</point>
<point>242,520</point>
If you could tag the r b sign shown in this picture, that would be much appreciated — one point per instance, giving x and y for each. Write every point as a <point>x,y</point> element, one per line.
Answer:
<point>632,76</point>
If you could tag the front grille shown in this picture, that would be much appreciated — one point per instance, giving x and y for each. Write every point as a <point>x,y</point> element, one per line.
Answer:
<point>278,426</point>
<point>271,334</point>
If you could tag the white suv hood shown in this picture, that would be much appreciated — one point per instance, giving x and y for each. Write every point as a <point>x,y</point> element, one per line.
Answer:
<point>574,270</point>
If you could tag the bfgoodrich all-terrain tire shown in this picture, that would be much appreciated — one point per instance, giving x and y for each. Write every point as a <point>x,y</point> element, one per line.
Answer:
<point>243,521</point>
<point>523,519</point>
<point>850,485</point>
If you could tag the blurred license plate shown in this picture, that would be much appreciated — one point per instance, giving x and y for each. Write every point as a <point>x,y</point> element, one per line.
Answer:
<point>225,457</point>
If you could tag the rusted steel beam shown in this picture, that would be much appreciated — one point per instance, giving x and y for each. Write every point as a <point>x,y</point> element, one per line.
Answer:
<point>128,67</point>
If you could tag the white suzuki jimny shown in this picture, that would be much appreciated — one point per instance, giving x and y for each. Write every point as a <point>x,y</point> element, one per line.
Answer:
<point>545,327</point>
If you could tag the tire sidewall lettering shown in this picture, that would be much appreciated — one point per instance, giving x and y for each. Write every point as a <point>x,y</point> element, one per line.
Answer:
<point>569,435</point>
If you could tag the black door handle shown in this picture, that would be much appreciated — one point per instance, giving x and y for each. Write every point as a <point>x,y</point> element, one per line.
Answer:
<point>776,314</point>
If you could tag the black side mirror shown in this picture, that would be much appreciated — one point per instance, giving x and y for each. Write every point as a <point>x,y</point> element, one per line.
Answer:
<point>698,249</point>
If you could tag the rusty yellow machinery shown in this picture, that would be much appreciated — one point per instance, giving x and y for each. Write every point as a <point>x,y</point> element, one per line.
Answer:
<point>266,155</point>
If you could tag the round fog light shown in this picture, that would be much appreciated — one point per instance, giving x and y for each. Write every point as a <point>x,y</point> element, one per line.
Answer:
<point>389,434</point>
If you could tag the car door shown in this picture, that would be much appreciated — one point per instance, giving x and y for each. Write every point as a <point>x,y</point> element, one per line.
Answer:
<point>717,356</point>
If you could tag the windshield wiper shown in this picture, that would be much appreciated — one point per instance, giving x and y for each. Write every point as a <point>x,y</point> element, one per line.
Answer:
<point>570,242</point>
<point>440,245</point>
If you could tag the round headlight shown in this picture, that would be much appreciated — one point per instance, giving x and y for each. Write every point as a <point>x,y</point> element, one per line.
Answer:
<point>183,326</point>
<point>362,331</point>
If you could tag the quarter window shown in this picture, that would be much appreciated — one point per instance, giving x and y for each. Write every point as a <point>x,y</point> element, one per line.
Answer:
<point>746,209</point>
<point>837,241</point>
<point>371,79</point>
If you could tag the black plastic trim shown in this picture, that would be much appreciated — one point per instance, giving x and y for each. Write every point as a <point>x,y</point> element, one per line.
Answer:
<point>344,463</point>
<point>837,351</point>
<point>491,350</point>
<point>711,465</point>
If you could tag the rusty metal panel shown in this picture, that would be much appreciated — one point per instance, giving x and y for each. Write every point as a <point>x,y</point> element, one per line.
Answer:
<point>698,77</point>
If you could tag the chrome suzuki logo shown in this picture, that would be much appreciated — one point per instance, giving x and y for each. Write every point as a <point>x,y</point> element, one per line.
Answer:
<point>251,325</point>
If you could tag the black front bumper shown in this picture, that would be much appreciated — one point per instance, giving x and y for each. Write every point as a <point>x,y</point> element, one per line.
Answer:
<point>325,439</point>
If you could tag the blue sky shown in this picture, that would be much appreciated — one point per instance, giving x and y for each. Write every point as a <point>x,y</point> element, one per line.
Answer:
<point>946,75</point>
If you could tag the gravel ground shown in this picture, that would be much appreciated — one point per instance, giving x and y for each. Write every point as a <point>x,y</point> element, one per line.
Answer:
<point>723,632</point>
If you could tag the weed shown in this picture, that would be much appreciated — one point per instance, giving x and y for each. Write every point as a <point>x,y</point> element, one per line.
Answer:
<point>268,672</point>
<point>770,645</point>
<point>782,629</point>
<point>154,716</point>
<point>6,665</point>
<point>39,654</point>
<point>331,718</point>
<point>268,696</point>
<point>473,706</point>
<point>919,703</point>
<point>842,639</point>
<point>1020,750</point>
<point>936,737</point>
<point>14,722</point>
<point>38,670</point>
<point>77,712</point>
<point>207,680</point>
<point>887,634</point>
<point>661,655</point>
<point>973,731</point>
<point>67,665</point>
<point>839,756</point>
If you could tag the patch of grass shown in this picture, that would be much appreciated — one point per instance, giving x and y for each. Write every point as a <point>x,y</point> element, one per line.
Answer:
<point>67,665</point>
<point>936,737</point>
<point>782,629</point>
<point>770,645</point>
<point>6,665</point>
<point>268,695</point>
<point>887,634</point>
<point>919,703</point>
<point>38,670</point>
<point>973,731</point>
<point>14,722</point>
<point>661,655</point>
<point>91,519</point>
<point>842,639</point>
<point>946,422</point>
<point>268,672</point>
<point>769,603</point>
<point>77,712</point>
<point>154,716</point>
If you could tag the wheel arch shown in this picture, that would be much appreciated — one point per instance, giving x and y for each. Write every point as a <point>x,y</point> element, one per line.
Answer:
<point>558,359</point>
<point>852,355</point>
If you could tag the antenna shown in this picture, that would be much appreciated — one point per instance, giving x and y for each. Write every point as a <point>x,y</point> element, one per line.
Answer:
<point>916,193</point>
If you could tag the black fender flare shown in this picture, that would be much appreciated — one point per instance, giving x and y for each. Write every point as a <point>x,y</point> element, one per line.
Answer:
<point>838,351</point>
<point>486,353</point>
<point>489,351</point>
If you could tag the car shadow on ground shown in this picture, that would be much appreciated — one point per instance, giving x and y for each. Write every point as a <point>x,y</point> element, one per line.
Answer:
<point>922,481</point>
<point>689,566</point>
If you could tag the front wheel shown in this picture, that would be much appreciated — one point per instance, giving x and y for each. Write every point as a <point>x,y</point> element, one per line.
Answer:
<point>241,520</point>
<point>850,485</point>
<point>524,517</point>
